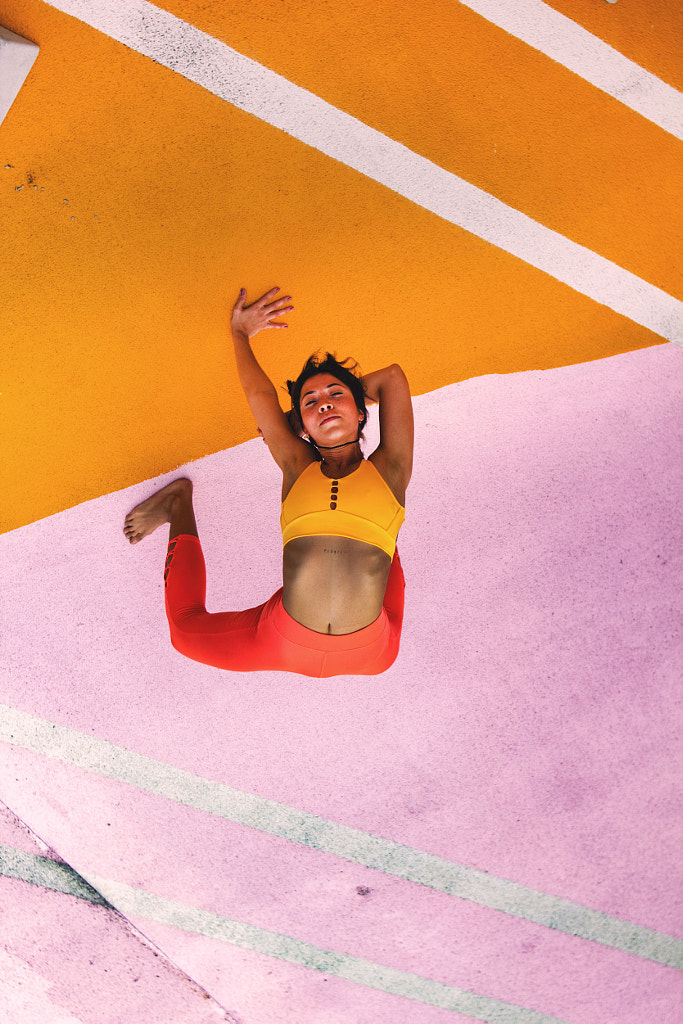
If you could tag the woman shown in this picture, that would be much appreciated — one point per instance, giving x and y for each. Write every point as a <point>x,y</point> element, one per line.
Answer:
<point>340,608</point>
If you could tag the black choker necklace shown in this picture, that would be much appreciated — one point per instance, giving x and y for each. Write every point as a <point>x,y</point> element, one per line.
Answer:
<point>333,447</point>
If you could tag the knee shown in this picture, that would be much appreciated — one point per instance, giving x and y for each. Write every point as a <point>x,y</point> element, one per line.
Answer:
<point>182,492</point>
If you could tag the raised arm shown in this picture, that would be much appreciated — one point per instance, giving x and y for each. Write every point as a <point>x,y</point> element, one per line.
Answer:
<point>394,456</point>
<point>286,447</point>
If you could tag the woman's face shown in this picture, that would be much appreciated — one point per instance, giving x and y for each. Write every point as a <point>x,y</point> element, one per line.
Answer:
<point>328,410</point>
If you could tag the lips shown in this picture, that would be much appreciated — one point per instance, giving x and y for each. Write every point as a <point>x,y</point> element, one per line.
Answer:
<point>328,418</point>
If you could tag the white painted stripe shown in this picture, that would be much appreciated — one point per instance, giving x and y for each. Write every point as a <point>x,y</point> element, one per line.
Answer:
<point>138,903</point>
<point>103,758</point>
<point>272,98</point>
<point>561,39</point>
<point>17,57</point>
<point>51,874</point>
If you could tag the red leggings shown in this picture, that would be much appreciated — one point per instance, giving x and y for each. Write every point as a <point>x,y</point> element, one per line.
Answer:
<point>266,637</point>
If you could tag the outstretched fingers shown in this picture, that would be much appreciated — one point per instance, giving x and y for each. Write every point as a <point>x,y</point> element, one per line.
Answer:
<point>260,314</point>
<point>272,307</point>
<point>280,311</point>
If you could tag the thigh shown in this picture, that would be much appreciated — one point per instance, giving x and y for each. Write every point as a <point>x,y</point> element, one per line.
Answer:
<point>244,641</point>
<point>240,641</point>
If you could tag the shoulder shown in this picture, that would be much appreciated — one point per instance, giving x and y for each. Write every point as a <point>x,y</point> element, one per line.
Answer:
<point>294,470</point>
<point>287,447</point>
<point>394,476</point>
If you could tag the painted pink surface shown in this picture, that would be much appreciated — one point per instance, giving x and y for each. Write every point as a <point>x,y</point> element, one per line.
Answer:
<point>264,991</point>
<point>526,729</point>
<point>269,882</point>
<point>14,833</point>
<point>65,961</point>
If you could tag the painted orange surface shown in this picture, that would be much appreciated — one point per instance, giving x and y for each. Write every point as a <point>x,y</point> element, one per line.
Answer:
<point>455,88</point>
<point>136,204</point>
<point>649,32</point>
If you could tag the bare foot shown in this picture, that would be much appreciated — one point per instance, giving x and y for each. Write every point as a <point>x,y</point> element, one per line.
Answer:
<point>155,511</point>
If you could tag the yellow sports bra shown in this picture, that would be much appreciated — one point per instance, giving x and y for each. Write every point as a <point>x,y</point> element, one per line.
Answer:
<point>360,506</point>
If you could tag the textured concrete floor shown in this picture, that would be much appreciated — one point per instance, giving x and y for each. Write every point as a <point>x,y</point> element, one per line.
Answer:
<point>526,730</point>
<point>490,831</point>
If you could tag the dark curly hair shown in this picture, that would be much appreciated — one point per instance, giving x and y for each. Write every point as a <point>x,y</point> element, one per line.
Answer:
<point>347,375</point>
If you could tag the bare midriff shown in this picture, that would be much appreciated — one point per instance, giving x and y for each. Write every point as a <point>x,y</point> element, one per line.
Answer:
<point>333,584</point>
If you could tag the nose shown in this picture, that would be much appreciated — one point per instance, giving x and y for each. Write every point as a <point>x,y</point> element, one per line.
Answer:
<point>324,406</point>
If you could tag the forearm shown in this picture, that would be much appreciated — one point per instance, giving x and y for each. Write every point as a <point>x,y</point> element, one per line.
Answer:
<point>253,378</point>
<point>247,321</point>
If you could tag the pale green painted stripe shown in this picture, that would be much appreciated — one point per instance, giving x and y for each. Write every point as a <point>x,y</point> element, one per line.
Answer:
<point>104,758</point>
<point>51,874</point>
<point>134,902</point>
<point>138,903</point>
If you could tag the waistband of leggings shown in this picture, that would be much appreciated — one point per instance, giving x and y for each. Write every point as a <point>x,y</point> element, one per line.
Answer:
<point>327,643</point>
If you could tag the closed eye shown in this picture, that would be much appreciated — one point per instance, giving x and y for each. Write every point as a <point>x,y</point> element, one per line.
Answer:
<point>333,394</point>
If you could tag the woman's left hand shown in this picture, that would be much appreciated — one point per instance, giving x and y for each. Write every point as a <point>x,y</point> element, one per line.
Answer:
<point>249,320</point>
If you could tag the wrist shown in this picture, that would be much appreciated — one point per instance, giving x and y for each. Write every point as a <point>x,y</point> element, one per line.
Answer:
<point>240,335</point>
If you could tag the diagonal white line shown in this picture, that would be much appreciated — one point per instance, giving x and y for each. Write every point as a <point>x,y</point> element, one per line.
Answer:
<point>138,903</point>
<point>51,874</point>
<point>561,39</point>
<point>103,758</point>
<point>245,84</point>
<point>17,57</point>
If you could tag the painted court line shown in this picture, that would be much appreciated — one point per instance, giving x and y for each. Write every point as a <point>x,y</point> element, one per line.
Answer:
<point>138,903</point>
<point>257,90</point>
<point>100,757</point>
<point>51,874</point>
<point>578,50</point>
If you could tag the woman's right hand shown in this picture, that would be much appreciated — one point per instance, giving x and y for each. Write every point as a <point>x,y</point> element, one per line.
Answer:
<point>249,320</point>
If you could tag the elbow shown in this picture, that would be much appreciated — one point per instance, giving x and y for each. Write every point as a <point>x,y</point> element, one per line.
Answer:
<point>397,376</point>
<point>258,390</point>
<point>396,371</point>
